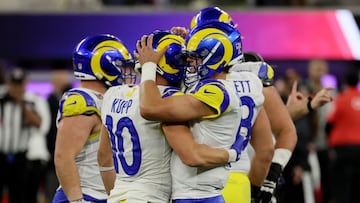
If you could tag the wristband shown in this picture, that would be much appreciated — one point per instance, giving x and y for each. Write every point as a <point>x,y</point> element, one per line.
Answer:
<point>281,156</point>
<point>106,168</point>
<point>232,155</point>
<point>148,71</point>
<point>309,104</point>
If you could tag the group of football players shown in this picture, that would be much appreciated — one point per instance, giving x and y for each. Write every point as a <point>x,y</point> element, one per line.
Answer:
<point>198,127</point>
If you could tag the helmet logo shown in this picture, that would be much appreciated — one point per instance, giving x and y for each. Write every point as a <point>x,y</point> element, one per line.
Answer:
<point>163,42</point>
<point>223,49</point>
<point>100,50</point>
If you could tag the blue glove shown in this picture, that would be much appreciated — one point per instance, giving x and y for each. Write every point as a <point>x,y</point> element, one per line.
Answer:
<point>238,146</point>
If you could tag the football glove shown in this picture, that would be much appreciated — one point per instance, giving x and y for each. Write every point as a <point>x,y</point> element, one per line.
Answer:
<point>255,194</point>
<point>238,146</point>
<point>270,183</point>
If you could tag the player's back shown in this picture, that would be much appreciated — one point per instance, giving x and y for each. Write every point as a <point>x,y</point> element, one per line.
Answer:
<point>215,131</point>
<point>140,151</point>
<point>251,100</point>
<point>262,69</point>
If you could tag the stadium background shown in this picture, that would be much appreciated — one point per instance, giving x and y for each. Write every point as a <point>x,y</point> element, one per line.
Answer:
<point>40,35</point>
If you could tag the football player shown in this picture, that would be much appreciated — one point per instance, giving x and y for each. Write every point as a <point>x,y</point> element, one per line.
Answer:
<point>98,63</point>
<point>210,102</point>
<point>134,150</point>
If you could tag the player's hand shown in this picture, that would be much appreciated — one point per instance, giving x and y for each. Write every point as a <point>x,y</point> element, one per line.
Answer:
<point>181,31</point>
<point>255,194</point>
<point>238,146</point>
<point>145,52</point>
<point>270,183</point>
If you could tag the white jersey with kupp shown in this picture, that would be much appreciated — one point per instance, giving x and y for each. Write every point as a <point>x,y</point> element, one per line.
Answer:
<point>255,98</point>
<point>140,151</point>
<point>213,130</point>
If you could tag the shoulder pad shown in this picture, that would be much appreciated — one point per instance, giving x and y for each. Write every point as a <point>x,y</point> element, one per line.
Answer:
<point>266,74</point>
<point>77,102</point>
<point>262,69</point>
<point>213,93</point>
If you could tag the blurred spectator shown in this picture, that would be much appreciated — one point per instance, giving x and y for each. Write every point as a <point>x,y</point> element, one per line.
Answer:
<point>21,130</point>
<point>317,71</point>
<point>283,88</point>
<point>344,140</point>
<point>37,153</point>
<point>2,79</point>
<point>297,172</point>
<point>61,81</point>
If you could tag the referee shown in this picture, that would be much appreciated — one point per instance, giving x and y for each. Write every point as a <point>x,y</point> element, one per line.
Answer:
<point>18,119</point>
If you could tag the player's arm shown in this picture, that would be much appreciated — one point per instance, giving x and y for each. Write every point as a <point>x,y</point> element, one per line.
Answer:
<point>281,123</point>
<point>152,105</point>
<point>71,136</point>
<point>170,109</point>
<point>105,159</point>
<point>191,153</point>
<point>261,141</point>
<point>285,134</point>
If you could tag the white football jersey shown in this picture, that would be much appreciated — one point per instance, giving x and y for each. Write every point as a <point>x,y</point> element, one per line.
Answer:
<point>218,130</point>
<point>263,70</point>
<point>79,101</point>
<point>140,151</point>
<point>252,101</point>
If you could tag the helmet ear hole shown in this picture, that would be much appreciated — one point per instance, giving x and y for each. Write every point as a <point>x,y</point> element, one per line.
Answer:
<point>137,67</point>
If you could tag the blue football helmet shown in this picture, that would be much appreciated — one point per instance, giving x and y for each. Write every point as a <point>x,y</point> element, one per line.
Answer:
<point>217,44</point>
<point>105,58</point>
<point>211,14</point>
<point>171,65</point>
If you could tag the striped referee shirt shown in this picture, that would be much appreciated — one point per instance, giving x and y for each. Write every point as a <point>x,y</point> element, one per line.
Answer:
<point>14,133</point>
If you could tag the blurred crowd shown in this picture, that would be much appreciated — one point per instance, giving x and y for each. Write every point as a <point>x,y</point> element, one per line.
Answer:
<point>28,130</point>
